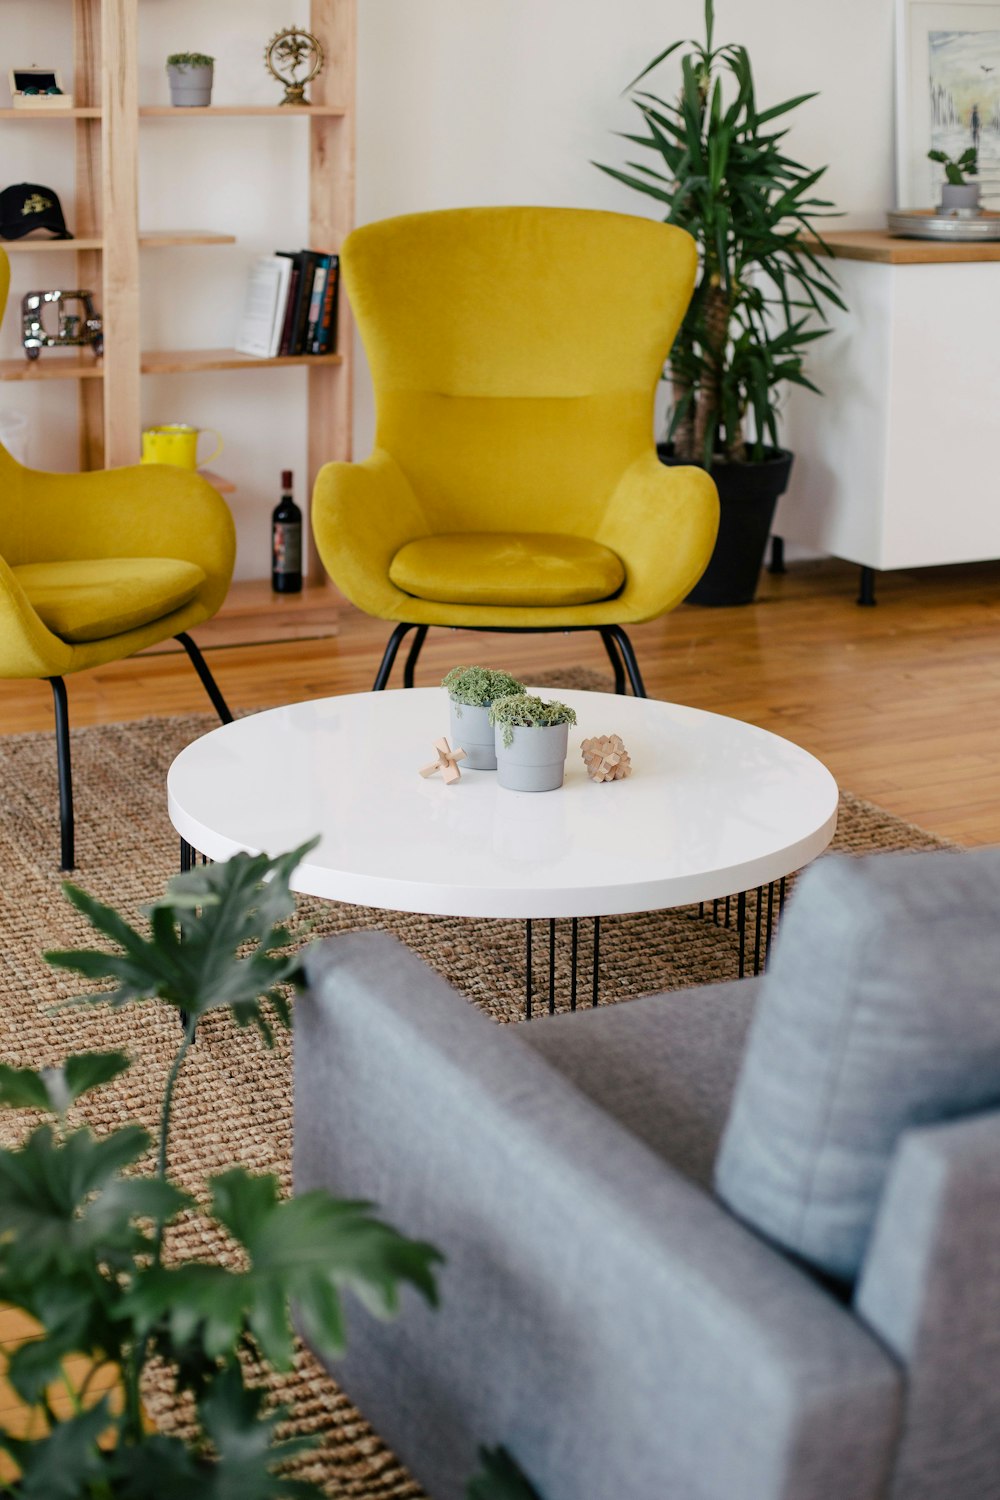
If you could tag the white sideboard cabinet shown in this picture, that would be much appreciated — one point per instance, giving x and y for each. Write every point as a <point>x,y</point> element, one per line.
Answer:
<point>897,465</point>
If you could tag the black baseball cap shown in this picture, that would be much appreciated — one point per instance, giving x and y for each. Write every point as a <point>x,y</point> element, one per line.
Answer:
<point>28,206</point>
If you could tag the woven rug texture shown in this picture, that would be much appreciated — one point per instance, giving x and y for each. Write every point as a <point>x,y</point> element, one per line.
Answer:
<point>233,1103</point>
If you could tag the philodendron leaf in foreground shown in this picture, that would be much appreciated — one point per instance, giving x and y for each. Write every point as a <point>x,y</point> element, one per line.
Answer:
<point>306,1250</point>
<point>243,1438</point>
<point>500,1479</point>
<point>211,943</point>
<point>55,1089</point>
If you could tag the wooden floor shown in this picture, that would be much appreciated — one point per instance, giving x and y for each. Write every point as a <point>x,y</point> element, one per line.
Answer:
<point>902,701</point>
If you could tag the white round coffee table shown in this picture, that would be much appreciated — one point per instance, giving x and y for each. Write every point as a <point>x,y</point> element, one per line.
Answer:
<point>714,808</point>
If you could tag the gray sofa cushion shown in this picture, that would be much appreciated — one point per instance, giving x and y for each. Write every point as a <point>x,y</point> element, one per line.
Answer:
<point>881,1011</point>
<point>664,1066</point>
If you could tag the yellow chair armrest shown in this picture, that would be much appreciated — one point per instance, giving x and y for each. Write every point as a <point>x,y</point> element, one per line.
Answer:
<point>662,522</point>
<point>144,510</point>
<point>362,514</point>
<point>27,647</point>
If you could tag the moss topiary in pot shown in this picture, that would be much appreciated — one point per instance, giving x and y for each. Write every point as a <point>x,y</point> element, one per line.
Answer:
<point>531,742</point>
<point>472,691</point>
<point>190,75</point>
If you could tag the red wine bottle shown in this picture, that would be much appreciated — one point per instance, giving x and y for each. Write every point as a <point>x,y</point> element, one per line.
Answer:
<point>286,541</point>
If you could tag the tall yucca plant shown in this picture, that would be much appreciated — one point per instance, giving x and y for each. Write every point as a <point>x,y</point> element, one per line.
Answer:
<point>724,177</point>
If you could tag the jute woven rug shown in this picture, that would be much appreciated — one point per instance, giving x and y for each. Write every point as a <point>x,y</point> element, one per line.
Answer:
<point>234,1098</point>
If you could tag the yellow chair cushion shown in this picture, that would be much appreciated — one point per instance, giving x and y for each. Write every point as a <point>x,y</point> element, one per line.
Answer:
<point>91,599</point>
<point>507,568</point>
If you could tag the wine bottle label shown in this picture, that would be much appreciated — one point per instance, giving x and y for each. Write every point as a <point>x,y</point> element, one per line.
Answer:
<point>286,547</point>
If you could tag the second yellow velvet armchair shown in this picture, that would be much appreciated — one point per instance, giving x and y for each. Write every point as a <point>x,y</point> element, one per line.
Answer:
<point>96,566</point>
<point>514,483</point>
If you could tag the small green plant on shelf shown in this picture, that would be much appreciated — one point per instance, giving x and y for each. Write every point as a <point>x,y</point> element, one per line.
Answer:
<point>478,687</point>
<point>190,60</point>
<point>522,711</point>
<point>958,169</point>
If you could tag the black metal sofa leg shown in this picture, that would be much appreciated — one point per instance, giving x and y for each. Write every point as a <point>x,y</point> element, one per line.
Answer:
<point>631,664</point>
<point>67,837</point>
<point>208,681</point>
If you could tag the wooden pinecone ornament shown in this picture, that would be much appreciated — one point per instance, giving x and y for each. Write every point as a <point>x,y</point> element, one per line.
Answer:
<point>606,758</point>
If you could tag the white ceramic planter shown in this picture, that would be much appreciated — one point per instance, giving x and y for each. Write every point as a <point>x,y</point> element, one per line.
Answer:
<point>535,760</point>
<point>190,88</point>
<point>472,730</point>
<point>960,198</point>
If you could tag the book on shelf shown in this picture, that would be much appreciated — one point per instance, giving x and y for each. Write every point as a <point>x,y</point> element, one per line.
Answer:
<point>309,315</point>
<point>264,307</point>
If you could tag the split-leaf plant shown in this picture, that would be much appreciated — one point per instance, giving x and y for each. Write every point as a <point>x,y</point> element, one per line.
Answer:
<point>722,172</point>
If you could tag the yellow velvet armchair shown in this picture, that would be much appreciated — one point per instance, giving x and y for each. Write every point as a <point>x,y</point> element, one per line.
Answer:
<point>514,482</point>
<point>93,567</point>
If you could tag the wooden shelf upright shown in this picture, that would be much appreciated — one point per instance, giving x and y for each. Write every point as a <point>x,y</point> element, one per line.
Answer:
<point>106,120</point>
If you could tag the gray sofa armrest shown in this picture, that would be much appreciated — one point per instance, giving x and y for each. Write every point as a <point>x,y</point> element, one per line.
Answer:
<point>602,1316</point>
<point>930,1287</point>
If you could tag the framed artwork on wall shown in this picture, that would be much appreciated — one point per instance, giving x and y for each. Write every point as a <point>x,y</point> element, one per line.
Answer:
<point>947,94</point>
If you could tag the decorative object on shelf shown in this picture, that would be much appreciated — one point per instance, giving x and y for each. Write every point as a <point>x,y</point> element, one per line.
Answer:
<point>471,693</point>
<point>606,758</point>
<point>177,443</point>
<point>532,736</point>
<point>294,57</point>
<point>754,217</point>
<point>446,763</point>
<point>928,224</point>
<point>26,207</point>
<point>85,1228</point>
<point>959,196</point>
<point>38,88</point>
<point>75,330</point>
<point>190,75</point>
<point>947,94</point>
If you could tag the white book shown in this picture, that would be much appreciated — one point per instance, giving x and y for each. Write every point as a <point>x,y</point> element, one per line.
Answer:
<point>264,306</point>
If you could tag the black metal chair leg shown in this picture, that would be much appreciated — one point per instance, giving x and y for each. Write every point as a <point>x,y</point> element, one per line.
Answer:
<point>631,665</point>
<point>389,656</point>
<point>208,681</point>
<point>614,657</point>
<point>66,827</point>
<point>411,660</point>
<point>777,562</point>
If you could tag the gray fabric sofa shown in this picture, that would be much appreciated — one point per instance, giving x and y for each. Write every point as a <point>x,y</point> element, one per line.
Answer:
<point>711,1245</point>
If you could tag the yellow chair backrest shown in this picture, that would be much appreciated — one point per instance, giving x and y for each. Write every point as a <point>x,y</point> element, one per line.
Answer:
<point>515,354</point>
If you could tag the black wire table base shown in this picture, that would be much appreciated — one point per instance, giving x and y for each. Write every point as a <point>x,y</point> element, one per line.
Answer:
<point>755,933</point>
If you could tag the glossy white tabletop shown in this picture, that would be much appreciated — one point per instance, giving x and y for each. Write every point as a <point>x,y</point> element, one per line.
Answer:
<point>713,806</point>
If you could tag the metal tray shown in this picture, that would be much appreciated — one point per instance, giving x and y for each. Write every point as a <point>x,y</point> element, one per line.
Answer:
<point>928,224</point>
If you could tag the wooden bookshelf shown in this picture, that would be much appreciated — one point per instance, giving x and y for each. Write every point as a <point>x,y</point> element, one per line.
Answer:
<point>107,118</point>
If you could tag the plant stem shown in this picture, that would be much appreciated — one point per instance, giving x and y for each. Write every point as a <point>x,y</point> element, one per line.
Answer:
<point>168,1099</point>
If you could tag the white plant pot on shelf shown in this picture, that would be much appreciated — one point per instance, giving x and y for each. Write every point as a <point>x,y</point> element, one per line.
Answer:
<point>534,760</point>
<point>960,198</point>
<point>190,88</point>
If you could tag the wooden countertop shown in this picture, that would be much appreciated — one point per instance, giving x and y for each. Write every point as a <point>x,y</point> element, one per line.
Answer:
<point>890,249</point>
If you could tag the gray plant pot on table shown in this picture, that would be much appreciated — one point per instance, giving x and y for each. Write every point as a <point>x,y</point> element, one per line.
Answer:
<point>960,197</point>
<point>190,87</point>
<point>535,759</point>
<point>471,729</point>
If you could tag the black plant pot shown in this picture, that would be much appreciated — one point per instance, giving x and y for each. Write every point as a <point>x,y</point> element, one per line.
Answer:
<point>748,495</point>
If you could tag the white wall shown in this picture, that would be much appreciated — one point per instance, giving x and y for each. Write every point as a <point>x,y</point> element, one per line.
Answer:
<point>460,102</point>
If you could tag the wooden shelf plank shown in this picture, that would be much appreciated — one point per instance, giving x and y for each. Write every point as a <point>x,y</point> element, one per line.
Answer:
<point>289,111</point>
<point>218,482</point>
<point>155,238</point>
<point>891,249</point>
<point>50,366</point>
<point>16,247</point>
<point>177,361</point>
<point>79,112</point>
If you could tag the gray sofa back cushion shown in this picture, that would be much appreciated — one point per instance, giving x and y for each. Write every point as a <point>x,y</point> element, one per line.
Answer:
<point>881,1011</point>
